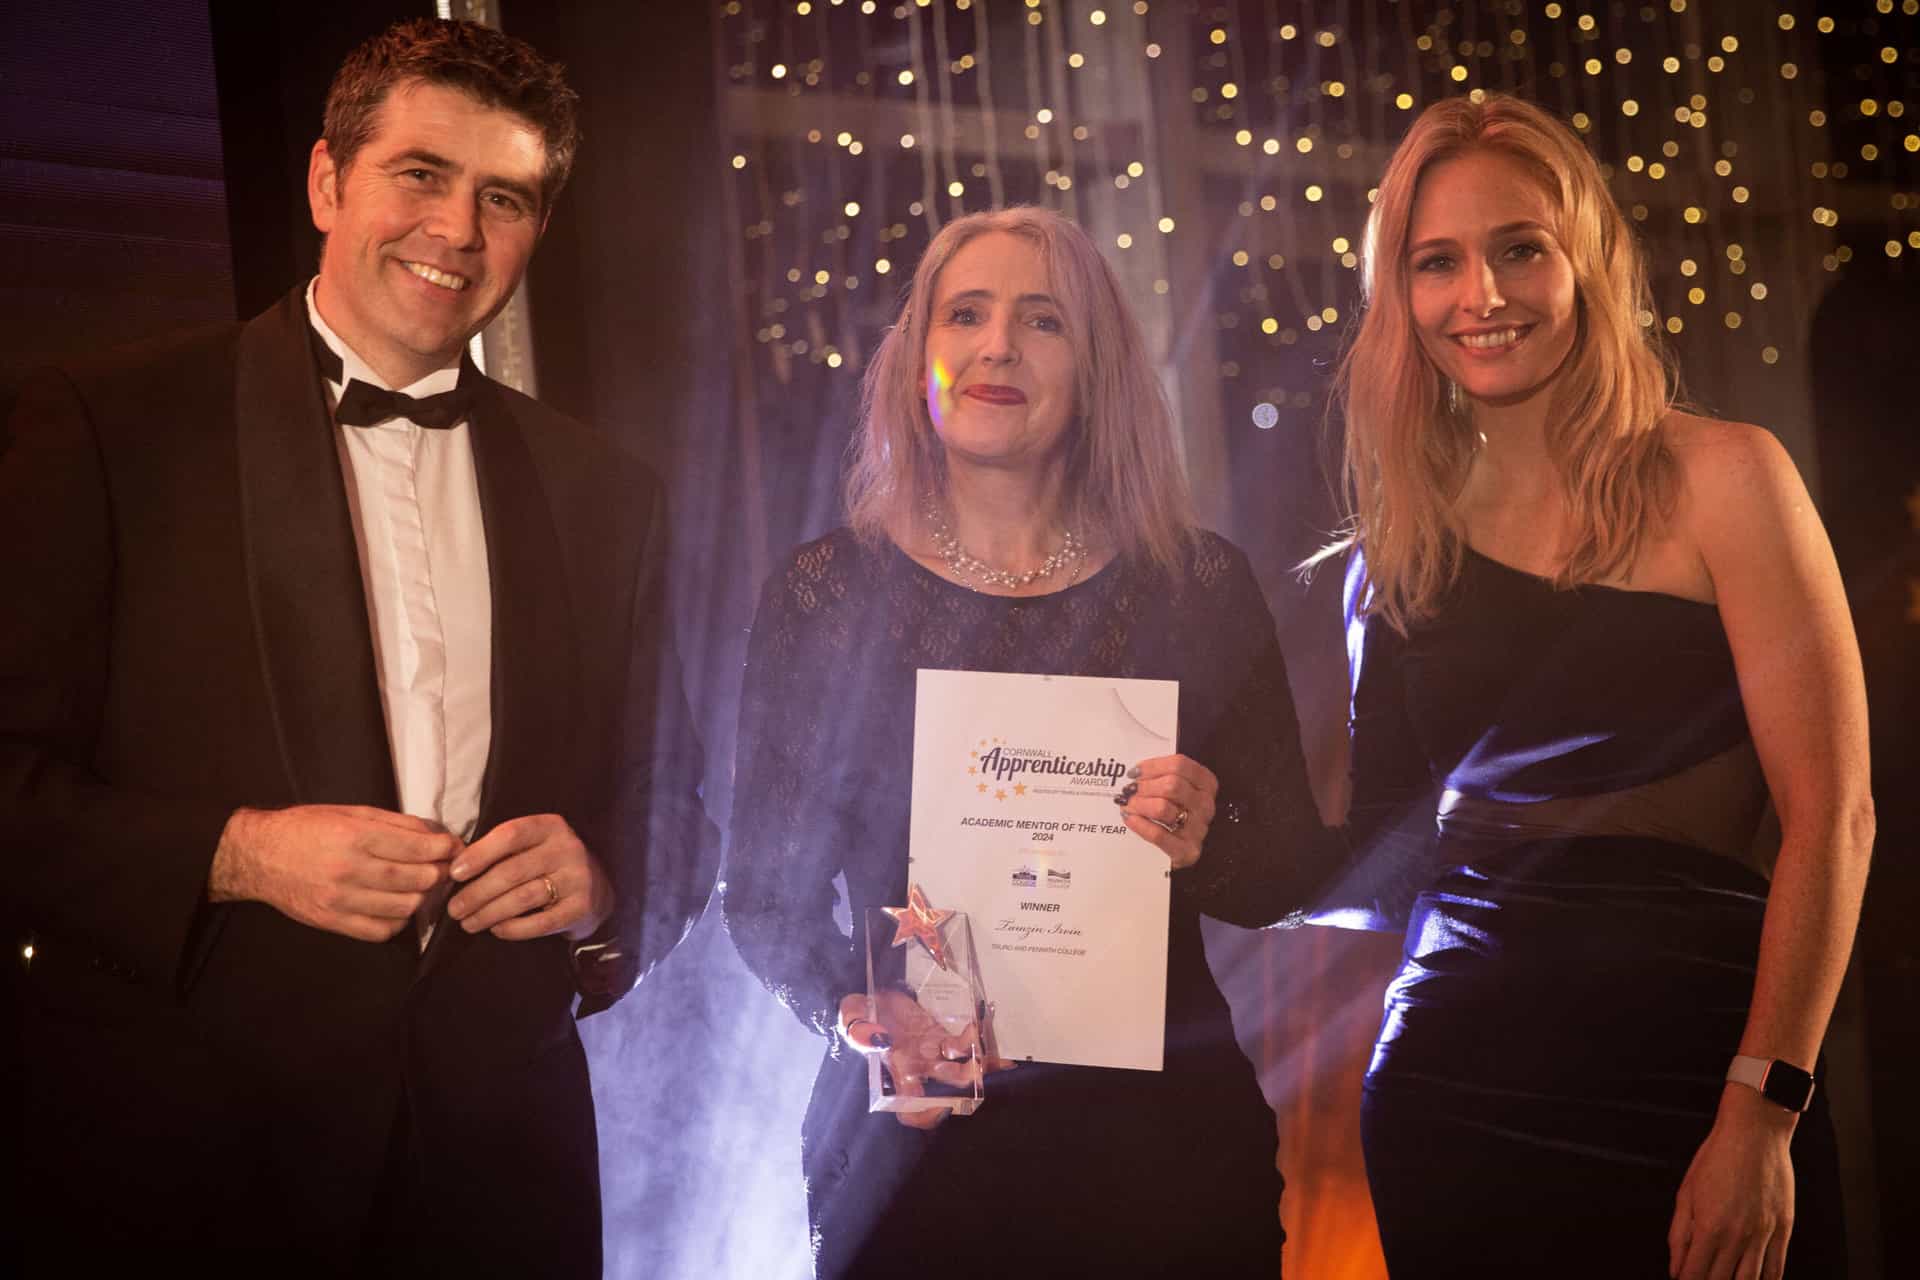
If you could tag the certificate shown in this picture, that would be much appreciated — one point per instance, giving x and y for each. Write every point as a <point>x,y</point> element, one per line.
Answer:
<point>1014,823</point>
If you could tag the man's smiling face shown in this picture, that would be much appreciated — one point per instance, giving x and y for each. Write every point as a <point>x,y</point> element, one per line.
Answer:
<point>428,229</point>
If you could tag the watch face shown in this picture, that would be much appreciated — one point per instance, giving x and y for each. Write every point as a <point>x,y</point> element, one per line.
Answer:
<point>1788,1086</point>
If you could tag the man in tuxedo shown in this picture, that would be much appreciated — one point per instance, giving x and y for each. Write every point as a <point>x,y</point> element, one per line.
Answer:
<point>342,744</point>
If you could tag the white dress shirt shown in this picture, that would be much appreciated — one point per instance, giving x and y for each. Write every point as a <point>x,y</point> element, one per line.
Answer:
<point>415,503</point>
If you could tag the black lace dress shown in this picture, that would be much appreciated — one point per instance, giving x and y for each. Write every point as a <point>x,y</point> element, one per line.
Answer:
<point>1087,1170</point>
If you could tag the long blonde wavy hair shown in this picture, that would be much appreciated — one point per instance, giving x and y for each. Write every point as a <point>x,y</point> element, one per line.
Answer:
<point>1408,451</point>
<point>1124,482</point>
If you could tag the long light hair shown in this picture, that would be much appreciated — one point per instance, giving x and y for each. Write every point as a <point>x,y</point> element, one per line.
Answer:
<point>1124,482</point>
<point>1408,450</point>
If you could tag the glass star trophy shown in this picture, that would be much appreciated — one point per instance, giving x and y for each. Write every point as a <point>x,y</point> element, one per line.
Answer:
<point>923,988</point>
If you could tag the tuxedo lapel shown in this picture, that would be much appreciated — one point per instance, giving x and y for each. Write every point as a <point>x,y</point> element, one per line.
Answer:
<point>303,570</point>
<point>530,768</point>
<point>531,763</point>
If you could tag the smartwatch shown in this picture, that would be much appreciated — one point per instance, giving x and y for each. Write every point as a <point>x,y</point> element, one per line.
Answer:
<point>1780,1083</point>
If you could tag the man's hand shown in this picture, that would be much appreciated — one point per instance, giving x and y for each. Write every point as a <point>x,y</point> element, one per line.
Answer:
<point>349,869</point>
<point>530,877</point>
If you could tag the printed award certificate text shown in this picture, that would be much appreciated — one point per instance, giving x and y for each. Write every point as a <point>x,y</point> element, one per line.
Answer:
<point>1014,824</point>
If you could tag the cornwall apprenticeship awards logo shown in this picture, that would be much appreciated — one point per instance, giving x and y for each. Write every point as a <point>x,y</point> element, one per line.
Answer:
<point>997,768</point>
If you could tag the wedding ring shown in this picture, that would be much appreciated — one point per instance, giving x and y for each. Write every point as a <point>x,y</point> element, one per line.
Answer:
<point>553,894</point>
<point>1179,821</point>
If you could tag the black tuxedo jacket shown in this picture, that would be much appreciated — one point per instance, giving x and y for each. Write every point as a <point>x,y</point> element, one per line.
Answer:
<point>185,633</point>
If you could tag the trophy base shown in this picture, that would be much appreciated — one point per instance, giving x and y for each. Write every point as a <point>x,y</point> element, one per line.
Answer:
<point>881,1098</point>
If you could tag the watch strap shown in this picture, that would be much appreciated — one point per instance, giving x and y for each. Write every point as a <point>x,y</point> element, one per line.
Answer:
<point>1776,1080</point>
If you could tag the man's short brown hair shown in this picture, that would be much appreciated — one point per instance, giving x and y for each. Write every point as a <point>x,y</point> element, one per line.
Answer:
<point>487,65</point>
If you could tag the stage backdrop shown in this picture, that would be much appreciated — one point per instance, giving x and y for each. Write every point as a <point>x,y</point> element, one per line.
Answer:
<point>721,314</point>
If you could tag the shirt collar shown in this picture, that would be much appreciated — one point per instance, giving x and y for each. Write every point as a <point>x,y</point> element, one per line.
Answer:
<point>353,368</point>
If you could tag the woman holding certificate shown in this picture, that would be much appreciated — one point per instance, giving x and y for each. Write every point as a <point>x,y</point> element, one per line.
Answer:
<point>1017,505</point>
<point>1593,635</point>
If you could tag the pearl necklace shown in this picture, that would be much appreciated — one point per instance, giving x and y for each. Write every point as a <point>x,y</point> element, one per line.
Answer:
<point>972,571</point>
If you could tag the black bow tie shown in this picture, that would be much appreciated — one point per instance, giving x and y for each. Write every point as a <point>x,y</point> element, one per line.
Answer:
<point>365,405</point>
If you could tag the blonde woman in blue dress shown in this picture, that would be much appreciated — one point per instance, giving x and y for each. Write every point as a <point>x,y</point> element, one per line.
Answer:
<point>1592,635</point>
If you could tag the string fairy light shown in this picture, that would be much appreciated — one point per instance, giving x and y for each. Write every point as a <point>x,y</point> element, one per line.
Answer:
<point>1758,150</point>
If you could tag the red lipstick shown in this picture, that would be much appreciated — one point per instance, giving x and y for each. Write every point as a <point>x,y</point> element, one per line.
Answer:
<point>995,394</point>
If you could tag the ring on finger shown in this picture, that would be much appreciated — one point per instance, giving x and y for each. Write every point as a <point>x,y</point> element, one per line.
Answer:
<point>553,894</point>
<point>1179,820</point>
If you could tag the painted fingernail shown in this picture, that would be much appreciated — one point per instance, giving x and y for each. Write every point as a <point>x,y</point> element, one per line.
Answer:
<point>1122,799</point>
<point>1129,789</point>
<point>1134,772</point>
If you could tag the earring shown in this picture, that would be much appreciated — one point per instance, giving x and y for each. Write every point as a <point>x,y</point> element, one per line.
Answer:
<point>1454,398</point>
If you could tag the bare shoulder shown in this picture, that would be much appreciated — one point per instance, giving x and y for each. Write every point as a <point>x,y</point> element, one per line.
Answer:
<point>1735,479</point>
<point>1705,446</point>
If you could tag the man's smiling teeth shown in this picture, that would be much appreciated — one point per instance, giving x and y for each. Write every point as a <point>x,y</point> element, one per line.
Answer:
<point>1487,341</point>
<point>434,275</point>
